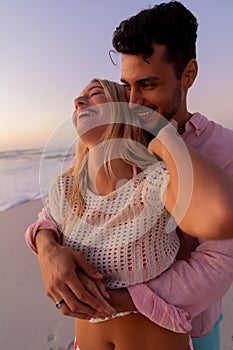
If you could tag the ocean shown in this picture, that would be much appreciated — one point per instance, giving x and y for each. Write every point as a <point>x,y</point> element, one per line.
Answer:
<point>25,174</point>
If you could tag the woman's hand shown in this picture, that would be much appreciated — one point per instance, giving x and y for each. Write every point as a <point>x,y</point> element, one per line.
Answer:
<point>98,290</point>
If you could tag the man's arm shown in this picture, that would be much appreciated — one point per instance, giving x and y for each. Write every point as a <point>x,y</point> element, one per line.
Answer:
<point>60,268</point>
<point>188,288</point>
<point>61,271</point>
<point>44,222</point>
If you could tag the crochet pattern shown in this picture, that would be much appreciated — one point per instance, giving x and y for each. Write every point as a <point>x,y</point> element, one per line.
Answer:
<point>124,234</point>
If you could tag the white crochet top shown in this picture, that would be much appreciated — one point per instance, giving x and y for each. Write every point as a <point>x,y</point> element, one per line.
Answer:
<point>126,235</point>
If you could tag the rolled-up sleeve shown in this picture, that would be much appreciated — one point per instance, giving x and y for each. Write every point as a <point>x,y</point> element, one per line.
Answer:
<point>188,288</point>
<point>44,222</point>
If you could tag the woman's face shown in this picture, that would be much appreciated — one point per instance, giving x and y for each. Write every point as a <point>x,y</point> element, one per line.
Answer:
<point>89,117</point>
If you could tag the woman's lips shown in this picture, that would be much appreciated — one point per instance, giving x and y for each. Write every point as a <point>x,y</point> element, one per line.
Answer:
<point>85,113</point>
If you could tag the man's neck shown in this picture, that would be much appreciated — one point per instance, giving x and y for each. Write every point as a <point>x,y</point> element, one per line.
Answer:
<point>182,122</point>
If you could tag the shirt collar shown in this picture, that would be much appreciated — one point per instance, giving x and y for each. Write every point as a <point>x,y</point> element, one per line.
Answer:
<point>196,123</point>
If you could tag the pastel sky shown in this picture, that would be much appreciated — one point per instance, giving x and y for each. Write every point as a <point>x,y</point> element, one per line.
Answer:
<point>51,48</point>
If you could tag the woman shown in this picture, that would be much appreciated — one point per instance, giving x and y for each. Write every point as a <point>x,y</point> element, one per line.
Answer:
<point>100,217</point>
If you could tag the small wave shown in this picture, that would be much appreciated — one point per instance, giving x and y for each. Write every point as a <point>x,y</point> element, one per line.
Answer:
<point>58,156</point>
<point>20,153</point>
<point>57,153</point>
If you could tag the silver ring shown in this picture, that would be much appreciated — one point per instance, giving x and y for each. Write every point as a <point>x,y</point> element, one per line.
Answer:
<point>60,303</point>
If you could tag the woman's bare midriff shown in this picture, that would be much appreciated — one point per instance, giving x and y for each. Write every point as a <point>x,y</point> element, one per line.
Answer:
<point>131,332</point>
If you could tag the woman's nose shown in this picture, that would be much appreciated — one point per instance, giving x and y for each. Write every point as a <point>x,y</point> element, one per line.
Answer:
<point>80,102</point>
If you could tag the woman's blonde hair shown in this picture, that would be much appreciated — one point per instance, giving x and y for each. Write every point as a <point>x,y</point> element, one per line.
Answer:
<point>125,128</point>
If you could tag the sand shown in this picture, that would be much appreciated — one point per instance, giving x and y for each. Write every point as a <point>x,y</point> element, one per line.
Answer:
<point>29,320</point>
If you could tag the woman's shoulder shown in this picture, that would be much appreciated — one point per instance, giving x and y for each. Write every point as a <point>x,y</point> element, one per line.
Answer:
<point>61,183</point>
<point>157,170</point>
<point>156,180</point>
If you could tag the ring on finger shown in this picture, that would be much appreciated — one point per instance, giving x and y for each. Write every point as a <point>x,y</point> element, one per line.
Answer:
<point>59,303</point>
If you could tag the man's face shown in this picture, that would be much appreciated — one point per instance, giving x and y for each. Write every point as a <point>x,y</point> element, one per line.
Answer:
<point>153,84</point>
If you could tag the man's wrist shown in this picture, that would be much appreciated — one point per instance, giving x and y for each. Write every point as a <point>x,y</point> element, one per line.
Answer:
<point>45,239</point>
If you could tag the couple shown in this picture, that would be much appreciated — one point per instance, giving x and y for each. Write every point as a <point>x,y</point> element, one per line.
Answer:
<point>158,72</point>
<point>122,229</point>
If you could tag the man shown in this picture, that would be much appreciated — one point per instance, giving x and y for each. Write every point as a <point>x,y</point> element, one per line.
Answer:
<point>158,67</point>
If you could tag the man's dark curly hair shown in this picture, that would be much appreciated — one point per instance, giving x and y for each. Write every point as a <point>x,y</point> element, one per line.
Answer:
<point>170,24</point>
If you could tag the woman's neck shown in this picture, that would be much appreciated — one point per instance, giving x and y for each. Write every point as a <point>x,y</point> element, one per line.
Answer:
<point>102,183</point>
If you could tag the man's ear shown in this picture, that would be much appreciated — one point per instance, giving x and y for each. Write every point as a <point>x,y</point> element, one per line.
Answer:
<point>190,72</point>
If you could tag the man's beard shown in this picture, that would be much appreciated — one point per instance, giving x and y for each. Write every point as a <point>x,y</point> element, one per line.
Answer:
<point>176,102</point>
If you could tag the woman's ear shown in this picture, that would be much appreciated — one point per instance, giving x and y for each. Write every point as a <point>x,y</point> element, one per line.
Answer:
<point>190,73</point>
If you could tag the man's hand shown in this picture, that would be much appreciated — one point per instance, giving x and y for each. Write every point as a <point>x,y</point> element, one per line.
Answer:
<point>67,275</point>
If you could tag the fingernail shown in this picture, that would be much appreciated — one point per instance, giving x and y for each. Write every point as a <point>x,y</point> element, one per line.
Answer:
<point>114,313</point>
<point>97,274</point>
<point>111,312</point>
<point>106,294</point>
<point>100,309</point>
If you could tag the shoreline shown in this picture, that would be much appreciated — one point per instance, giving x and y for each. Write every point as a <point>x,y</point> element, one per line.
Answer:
<point>31,320</point>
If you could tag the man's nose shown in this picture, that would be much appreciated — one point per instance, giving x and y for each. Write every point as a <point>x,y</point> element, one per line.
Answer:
<point>135,98</point>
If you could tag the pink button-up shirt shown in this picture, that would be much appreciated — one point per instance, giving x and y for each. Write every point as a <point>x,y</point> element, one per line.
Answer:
<point>187,297</point>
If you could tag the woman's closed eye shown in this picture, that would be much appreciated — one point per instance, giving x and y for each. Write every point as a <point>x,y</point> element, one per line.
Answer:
<point>96,92</point>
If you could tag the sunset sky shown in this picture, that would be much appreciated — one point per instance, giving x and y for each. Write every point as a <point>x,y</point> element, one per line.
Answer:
<point>51,48</point>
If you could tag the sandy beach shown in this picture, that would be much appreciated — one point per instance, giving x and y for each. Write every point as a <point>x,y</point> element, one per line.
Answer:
<point>29,320</point>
